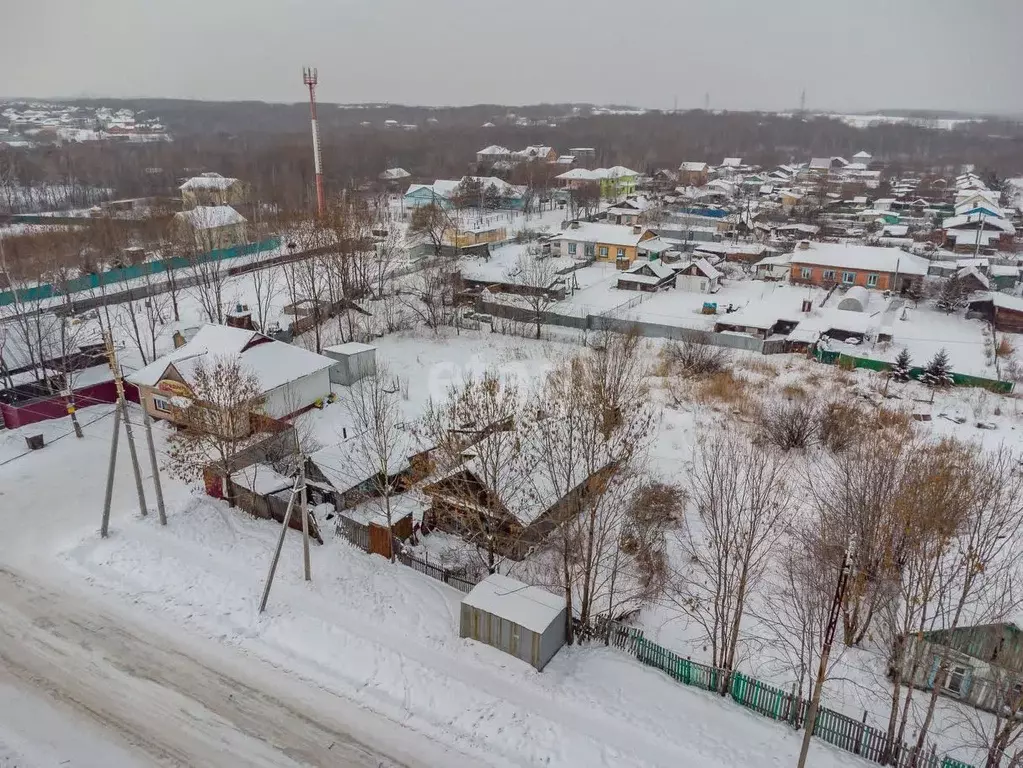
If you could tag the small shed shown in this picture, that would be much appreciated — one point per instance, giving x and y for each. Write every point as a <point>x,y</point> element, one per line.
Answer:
<point>355,361</point>
<point>523,621</point>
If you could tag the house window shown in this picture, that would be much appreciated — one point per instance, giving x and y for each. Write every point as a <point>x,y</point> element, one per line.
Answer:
<point>829,274</point>
<point>621,253</point>
<point>161,405</point>
<point>602,251</point>
<point>806,273</point>
<point>589,250</point>
<point>571,249</point>
<point>956,679</point>
<point>871,281</point>
<point>849,277</point>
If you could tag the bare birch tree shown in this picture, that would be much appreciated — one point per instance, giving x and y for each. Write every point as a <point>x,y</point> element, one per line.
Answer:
<point>264,289</point>
<point>740,495</point>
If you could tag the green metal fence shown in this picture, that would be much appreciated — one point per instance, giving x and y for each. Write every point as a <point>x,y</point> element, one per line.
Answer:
<point>833,727</point>
<point>831,357</point>
<point>112,277</point>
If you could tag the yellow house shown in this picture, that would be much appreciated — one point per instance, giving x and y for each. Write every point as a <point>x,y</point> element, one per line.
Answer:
<point>602,242</point>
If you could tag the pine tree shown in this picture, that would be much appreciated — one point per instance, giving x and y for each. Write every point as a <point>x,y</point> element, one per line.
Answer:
<point>900,369</point>
<point>938,373</point>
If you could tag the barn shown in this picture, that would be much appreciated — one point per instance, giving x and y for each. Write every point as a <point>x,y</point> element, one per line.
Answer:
<point>523,621</point>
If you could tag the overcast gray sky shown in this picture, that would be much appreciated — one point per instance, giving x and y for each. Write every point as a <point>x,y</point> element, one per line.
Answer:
<point>747,54</point>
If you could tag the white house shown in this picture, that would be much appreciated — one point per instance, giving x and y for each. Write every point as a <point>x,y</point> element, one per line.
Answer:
<point>698,276</point>
<point>773,267</point>
<point>290,379</point>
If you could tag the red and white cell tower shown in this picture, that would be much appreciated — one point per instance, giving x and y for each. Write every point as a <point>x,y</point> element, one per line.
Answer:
<point>309,78</point>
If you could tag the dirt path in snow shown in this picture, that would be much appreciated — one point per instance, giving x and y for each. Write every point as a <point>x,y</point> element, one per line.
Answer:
<point>169,706</point>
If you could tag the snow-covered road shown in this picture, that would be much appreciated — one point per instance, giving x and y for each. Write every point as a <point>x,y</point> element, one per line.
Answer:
<point>170,703</point>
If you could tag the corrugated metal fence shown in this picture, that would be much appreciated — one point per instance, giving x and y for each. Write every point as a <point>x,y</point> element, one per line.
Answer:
<point>833,727</point>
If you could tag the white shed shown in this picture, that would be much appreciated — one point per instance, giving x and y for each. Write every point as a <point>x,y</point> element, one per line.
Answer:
<point>355,361</point>
<point>526,622</point>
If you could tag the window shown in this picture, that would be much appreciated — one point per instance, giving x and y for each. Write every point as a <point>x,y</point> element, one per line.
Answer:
<point>621,253</point>
<point>829,274</point>
<point>160,404</point>
<point>589,250</point>
<point>871,281</point>
<point>849,277</point>
<point>956,679</point>
<point>806,273</point>
<point>571,249</point>
<point>603,251</point>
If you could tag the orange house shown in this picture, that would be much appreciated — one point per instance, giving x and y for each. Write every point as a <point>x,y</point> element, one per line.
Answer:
<point>882,269</point>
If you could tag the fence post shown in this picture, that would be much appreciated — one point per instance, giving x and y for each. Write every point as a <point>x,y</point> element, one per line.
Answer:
<point>859,739</point>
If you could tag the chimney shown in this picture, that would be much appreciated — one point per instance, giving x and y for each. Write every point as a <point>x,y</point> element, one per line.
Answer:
<point>804,245</point>
<point>575,225</point>
<point>179,339</point>
<point>637,229</point>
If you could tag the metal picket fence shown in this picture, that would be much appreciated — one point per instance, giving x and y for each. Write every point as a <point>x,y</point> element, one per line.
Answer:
<point>833,727</point>
<point>452,578</point>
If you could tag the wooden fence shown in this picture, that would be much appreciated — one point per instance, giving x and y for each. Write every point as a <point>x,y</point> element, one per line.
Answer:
<point>352,531</point>
<point>833,727</point>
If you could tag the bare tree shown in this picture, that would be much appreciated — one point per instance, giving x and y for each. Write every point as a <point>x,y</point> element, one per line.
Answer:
<point>535,276</point>
<point>432,225</point>
<point>984,570</point>
<point>380,445</point>
<point>196,238</point>
<point>215,419</point>
<point>740,494</point>
<point>264,289</point>
<point>426,294</point>
<point>478,430</point>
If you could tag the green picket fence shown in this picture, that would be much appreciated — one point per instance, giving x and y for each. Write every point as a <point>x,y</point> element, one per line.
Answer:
<point>111,277</point>
<point>830,357</point>
<point>833,727</point>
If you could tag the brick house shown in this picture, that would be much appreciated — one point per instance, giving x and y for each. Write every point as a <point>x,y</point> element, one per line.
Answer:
<point>827,264</point>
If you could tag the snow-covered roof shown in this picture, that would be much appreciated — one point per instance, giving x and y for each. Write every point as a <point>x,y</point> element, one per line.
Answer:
<point>393,174</point>
<point>862,155</point>
<point>972,271</point>
<point>353,460</point>
<point>778,260</point>
<point>1000,300</point>
<point>660,271</point>
<point>1004,270</point>
<point>705,267</point>
<point>752,249</point>
<point>532,608</point>
<point>208,181</point>
<point>260,479</point>
<point>350,348</point>
<point>605,234</point>
<point>731,162</point>
<point>993,222</point>
<point>692,165</point>
<point>274,363</point>
<point>494,149</point>
<point>210,216</point>
<point>820,163</point>
<point>863,257</point>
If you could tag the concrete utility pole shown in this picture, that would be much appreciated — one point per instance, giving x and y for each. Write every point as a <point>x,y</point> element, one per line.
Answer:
<point>305,518</point>
<point>829,636</point>
<point>105,525</point>
<point>156,469</point>
<point>280,546</point>
<point>122,403</point>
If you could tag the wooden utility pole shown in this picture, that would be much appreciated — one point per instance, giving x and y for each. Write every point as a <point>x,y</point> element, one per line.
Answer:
<point>122,404</point>
<point>280,546</point>
<point>829,636</point>
<point>305,518</point>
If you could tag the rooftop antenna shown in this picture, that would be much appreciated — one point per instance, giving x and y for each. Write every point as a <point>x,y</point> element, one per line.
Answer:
<point>309,77</point>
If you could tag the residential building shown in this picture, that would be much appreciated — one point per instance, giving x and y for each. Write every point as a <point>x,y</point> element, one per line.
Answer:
<point>493,153</point>
<point>981,666</point>
<point>538,153</point>
<point>495,191</point>
<point>693,174</point>
<point>290,379</point>
<point>978,231</point>
<point>827,264</point>
<point>210,227</point>
<point>212,189</point>
<point>698,276</point>
<point>615,182</point>
<point>773,267</point>
<point>629,211</point>
<point>601,242</point>
<point>647,276</point>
